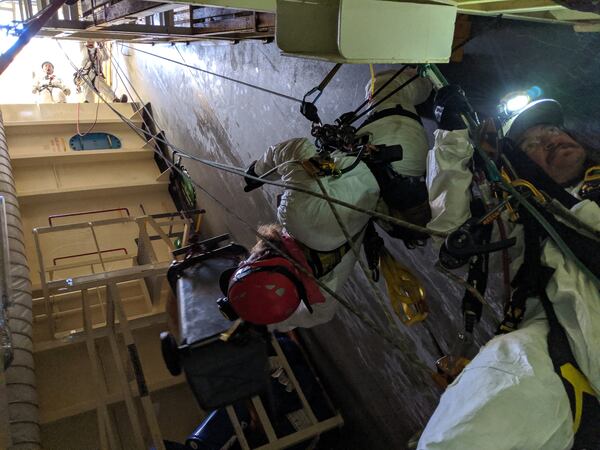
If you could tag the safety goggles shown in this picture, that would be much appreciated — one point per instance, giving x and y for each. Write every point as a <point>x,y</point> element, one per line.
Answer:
<point>533,142</point>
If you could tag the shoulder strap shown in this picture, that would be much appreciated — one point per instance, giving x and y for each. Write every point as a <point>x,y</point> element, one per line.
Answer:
<point>398,110</point>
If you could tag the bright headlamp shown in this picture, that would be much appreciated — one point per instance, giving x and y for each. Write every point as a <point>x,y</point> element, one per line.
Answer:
<point>514,102</point>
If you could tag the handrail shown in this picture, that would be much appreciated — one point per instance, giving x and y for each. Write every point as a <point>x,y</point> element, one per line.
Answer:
<point>108,259</point>
<point>123,249</point>
<point>84,213</point>
<point>76,226</point>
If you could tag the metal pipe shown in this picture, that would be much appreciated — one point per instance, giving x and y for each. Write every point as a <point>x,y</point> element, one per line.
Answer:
<point>20,376</point>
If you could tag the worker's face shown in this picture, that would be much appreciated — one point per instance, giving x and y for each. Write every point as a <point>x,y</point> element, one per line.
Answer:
<point>48,69</point>
<point>557,153</point>
<point>89,44</point>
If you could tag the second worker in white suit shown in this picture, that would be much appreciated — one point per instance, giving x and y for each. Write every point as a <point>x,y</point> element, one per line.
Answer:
<point>268,289</point>
<point>91,74</point>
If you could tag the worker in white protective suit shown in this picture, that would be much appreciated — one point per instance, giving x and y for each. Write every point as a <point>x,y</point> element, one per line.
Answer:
<point>49,87</point>
<point>90,77</point>
<point>309,233</point>
<point>260,290</point>
<point>394,121</point>
<point>518,393</point>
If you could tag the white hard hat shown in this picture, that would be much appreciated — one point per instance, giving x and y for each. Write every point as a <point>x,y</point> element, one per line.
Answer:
<point>540,112</point>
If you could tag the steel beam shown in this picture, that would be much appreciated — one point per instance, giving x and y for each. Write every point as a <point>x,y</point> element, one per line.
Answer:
<point>129,9</point>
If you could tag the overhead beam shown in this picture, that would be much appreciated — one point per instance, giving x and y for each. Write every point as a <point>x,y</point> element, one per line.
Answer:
<point>129,9</point>
<point>250,5</point>
<point>510,6</point>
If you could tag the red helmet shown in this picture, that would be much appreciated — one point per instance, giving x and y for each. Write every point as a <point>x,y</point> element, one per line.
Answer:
<point>264,292</point>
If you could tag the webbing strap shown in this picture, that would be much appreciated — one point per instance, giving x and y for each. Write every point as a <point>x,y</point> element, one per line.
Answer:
<point>322,85</point>
<point>323,262</point>
<point>398,110</point>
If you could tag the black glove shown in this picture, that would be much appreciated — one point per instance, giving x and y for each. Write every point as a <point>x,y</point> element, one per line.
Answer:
<point>449,104</point>
<point>250,183</point>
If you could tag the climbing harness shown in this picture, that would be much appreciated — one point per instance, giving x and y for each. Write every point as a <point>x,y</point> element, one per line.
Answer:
<point>532,280</point>
<point>527,204</point>
<point>341,135</point>
<point>323,262</point>
<point>80,76</point>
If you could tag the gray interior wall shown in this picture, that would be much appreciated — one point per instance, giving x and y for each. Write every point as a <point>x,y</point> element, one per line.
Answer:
<point>383,397</point>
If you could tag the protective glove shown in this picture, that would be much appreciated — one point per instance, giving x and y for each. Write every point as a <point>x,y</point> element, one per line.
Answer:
<point>250,183</point>
<point>449,104</point>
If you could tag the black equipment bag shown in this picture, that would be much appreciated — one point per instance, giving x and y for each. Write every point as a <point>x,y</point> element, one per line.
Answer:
<point>219,372</point>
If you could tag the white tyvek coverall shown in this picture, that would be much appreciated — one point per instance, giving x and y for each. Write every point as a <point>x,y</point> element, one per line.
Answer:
<point>509,396</point>
<point>92,61</point>
<point>50,88</point>
<point>394,130</point>
<point>311,221</point>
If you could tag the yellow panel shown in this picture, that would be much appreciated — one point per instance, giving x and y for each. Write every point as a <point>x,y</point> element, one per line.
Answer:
<point>60,113</point>
<point>54,139</point>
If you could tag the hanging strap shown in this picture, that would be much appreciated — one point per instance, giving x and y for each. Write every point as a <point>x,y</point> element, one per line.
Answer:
<point>477,277</point>
<point>309,108</point>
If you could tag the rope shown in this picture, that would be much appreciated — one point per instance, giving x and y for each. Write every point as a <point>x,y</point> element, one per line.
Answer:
<point>242,173</point>
<point>253,86</point>
<point>395,91</point>
<point>93,124</point>
<point>361,263</point>
<point>374,94</point>
<point>400,345</point>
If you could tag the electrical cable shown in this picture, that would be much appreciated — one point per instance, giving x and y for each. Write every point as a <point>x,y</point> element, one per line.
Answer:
<point>400,345</point>
<point>253,86</point>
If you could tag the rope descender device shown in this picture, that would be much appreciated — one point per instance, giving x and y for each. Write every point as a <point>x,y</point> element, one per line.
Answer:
<point>464,243</point>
